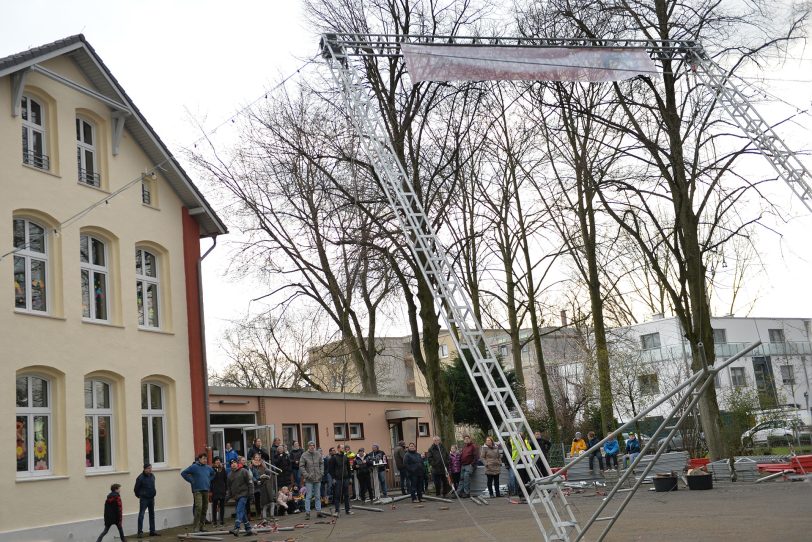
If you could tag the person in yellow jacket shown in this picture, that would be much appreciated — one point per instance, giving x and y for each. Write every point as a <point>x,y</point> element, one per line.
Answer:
<point>578,445</point>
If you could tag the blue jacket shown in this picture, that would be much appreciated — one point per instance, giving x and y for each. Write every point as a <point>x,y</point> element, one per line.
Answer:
<point>611,447</point>
<point>230,454</point>
<point>145,486</point>
<point>200,476</point>
<point>632,446</point>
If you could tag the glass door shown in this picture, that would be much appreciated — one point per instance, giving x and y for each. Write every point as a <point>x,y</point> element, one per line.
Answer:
<point>217,440</point>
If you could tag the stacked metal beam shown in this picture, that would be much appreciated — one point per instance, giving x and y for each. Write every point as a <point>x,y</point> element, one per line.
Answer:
<point>746,470</point>
<point>670,462</point>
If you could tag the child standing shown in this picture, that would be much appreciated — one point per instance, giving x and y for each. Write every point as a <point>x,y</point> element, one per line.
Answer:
<point>113,514</point>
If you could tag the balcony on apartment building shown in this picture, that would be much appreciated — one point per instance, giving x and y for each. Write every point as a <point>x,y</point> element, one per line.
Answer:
<point>725,350</point>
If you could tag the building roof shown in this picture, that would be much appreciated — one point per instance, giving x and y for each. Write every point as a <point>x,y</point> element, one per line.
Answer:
<point>317,395</point>
<point>77,48</point>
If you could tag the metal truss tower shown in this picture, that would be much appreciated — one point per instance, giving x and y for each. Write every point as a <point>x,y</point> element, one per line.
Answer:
<point>504,411</point>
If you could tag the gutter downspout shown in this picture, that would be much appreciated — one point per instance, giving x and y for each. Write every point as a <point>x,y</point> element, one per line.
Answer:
<point>203,343</point>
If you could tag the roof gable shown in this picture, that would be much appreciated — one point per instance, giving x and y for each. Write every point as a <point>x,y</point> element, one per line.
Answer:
<point>109,89</point>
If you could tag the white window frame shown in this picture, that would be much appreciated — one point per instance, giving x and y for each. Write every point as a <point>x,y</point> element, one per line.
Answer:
<point>30,128</point>
<point>733,377</point>
<point>28,255</point>
<point>145,281</point>
<point>30,412</point>
<point>443,351</point>
<point>308,427</point>
<point>151,413</point>
<point>652,335</point>
<point>95,412</point>
<point>340,431</point>
<point>789,379</point>
<point>82,148</point>
<point>503,351</point>
<point>92,270</point>
<point>720,334</point>
<point>423,429</point>
<point>777,334</point>
<point>356,431</point>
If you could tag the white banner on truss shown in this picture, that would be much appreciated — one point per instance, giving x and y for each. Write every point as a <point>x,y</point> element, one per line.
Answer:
<point>490,63</point>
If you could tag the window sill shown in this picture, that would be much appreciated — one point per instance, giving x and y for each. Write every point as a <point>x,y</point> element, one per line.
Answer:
<point>97,188</point>
<point>26,479</point>
<point>164,469</point>
<point>148,206</point>
<point>91,474</point>
<point>155,330</point>
<point>46,171</point>
<point>101,323</point>
<point>38,314</point>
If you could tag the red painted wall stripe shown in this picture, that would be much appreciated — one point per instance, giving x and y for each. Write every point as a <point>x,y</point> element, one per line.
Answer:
<point>191,256</point>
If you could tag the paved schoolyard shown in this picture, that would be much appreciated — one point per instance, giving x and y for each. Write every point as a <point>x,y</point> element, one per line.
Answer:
<point>741,512</point>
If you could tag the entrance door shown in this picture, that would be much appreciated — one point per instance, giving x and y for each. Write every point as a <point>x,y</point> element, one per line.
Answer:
<point>765,382</point>
<point>264,432</point>
<point>218,442</point>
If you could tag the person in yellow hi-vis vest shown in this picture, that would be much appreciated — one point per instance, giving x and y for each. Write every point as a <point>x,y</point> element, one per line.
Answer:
<point>515,444</point>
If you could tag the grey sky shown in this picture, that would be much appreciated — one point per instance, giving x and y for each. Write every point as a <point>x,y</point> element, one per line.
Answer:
<point>205,59</point>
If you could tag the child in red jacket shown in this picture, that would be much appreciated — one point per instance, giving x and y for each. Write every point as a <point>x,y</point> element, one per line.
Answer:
<point>113,514</point>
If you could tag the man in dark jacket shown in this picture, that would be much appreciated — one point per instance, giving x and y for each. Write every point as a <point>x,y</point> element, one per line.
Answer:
<point>468,459</point>
<point>219,488</point>
<point>362,464</point>
<point>399,453</point>
<point>240,488</point>
<point>113,513</point>
<point>438,461</point>
<point>341,472</point>
<point>199,475</point>
<point>296,452</point>
<point>145,491</point>
<point>379,467</point>
<point>256,448</point>
<point>413,464</point>
<point>281,460</point>
<point>545,444</point>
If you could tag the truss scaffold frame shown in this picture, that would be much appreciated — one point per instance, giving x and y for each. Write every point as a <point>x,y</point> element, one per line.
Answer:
<point>504,412</point>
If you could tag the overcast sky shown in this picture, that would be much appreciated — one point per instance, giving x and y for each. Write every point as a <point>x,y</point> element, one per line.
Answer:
<point>203,59</point>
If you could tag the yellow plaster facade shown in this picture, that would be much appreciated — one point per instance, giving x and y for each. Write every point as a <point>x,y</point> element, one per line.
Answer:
<point>66,349</point>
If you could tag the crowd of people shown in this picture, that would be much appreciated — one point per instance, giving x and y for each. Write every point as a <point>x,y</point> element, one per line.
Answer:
<point>608,452</point>
<point>278,481</point>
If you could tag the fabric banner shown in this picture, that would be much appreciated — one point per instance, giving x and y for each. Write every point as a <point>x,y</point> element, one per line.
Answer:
<point>491,63</point>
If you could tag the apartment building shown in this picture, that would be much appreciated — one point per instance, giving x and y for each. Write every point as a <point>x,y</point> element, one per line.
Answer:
<point>103,359</point>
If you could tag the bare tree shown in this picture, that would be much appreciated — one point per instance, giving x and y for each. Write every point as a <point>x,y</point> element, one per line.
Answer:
<point>686,196</point>
<point>421,121</point>
<point>303,237</point>
<point>269,352</point>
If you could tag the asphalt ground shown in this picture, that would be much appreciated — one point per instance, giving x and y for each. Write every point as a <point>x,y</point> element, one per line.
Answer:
<point>779,510</point>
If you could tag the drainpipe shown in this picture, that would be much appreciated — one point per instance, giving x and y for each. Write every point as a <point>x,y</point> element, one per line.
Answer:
<point>203,342</point>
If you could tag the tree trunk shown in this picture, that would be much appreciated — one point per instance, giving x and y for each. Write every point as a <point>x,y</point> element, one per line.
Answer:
<point>441,406</point>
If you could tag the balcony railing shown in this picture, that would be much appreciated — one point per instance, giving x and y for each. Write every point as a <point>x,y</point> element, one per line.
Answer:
<point>88,177</point>
<point>725,350</point>
<point>36,159</point>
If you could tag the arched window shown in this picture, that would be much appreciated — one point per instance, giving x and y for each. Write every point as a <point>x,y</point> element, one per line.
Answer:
<point>98,425</point>
<point>34,135</point>
<point>147,282</point>
<point>30,266</point>
<point>86,152</point>
<point>153,422</point>
<point>33,425</point>
<point>94,269</point>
